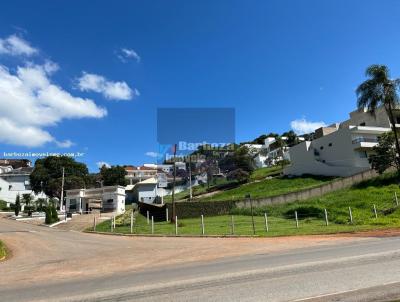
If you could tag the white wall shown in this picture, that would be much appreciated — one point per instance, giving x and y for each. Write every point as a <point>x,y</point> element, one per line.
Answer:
<point>337,156</point>
<point>19,185</point>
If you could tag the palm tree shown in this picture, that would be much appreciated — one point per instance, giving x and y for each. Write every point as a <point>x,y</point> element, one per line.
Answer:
<point>380,90</point>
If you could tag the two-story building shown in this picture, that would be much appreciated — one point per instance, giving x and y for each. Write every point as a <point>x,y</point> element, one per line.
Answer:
<point>340,150</point>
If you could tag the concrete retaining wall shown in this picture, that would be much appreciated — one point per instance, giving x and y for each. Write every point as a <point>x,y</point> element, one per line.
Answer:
<point>309,193</point>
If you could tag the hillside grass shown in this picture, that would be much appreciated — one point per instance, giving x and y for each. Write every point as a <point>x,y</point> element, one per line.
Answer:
<point>281,218</point>
<point>262,173</point>
<point>198,190</point>
<point>270,187</point>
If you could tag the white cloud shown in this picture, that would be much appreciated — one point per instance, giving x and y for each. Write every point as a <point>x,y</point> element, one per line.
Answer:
<point>103,163</point>
<point>16,46</point>
<point>64,144</point>
<point>302,126</point>
<point>30,102</point>
<point>110,90</point>
<point>125,54</point>
<point>152,154</point>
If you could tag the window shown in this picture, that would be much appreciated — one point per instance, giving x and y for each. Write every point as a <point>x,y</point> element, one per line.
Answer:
<point>321,148</point>
<point>330,145</point>
<point>362,154</point>
<point>72,204</point>
<point>110,200</point>
<point>362,124</point>
<point>398,120</point>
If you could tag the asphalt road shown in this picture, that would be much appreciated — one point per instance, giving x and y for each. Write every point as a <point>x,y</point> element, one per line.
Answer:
<point>339,269</point>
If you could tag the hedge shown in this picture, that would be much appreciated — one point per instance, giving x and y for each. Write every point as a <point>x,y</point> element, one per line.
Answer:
<point>194,209</point>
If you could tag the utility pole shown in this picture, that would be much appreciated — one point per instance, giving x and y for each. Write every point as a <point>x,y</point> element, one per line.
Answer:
<point>62,189</point>
<point>190,178</point>
<point>173,187</point>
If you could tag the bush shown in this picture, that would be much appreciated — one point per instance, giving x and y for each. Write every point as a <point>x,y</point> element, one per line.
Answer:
<point>51,215</point>
<point>304,212</point>
<point>193,209</point>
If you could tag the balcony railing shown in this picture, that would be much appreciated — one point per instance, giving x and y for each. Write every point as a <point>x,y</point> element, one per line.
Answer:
<point>364,140</point>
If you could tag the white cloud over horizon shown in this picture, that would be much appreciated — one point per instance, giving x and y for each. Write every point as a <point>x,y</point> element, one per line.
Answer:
<point>125,54</point>
<point>152,154</point>
<point>16,46</point>
<point>109,89</point>
<point>30,102</point>
<point>65,144</point>
<point>100,164</point>
<point>302,126</point>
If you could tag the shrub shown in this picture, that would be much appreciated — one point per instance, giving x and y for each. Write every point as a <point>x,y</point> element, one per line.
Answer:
<point>51,215</point>
<point>304,212</point>
<point>17,207</point>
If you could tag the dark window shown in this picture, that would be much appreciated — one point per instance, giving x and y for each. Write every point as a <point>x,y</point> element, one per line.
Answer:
<point>110,200</point>
<point>398,120</point>
<point>362,124</point>
<point>330,145</point>
<point>322,147</point>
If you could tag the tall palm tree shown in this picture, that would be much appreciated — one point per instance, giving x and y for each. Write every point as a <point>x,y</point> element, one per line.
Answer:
<point>380,90</point>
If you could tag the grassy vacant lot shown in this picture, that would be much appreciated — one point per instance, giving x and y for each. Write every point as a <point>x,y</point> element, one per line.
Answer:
<point>198,190</point>
<point>262,173</point>
<point>270,187</point>
<point>258,174</point>
<point>3,252</point>
<point>281,218</point>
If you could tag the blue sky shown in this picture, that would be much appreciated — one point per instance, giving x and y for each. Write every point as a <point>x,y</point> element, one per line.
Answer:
<point>273,61</point>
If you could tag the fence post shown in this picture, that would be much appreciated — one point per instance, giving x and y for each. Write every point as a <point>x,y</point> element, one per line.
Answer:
<point>266,221</point>
<point>113,219</point>
<point>351,216</point>
<point>148,217</point>
<point>132,222</point>
<point>111,223</point>
<point>232,225</point>
<point>326,218</point>
<point>176,225</point>
<point>376,214</point>
<point>166,213</point>
<point>395,197</point>
<point>202,225</point>
<point>152,225</point>
<point>297,220</point>
<point>94,223</point>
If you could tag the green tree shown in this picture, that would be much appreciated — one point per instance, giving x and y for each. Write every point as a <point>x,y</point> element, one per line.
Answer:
<point>17,205</point>
<point>384,156</point>
<point>113,176</point>
<point>240,158</point>
<point>47,175</point>
<point>239,175</point>
<point>40,202</point>
<point>380,90</point>
<point>292,138</point>
<point>260,140</point>
<point>27,199</point>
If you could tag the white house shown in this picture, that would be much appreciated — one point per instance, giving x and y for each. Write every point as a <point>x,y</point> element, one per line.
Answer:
<point>106,199</point>
<point>14,182</point>
<point>269,153</point>
<point>137,174</point>
<point>340,150</point>
<point>145,191</point>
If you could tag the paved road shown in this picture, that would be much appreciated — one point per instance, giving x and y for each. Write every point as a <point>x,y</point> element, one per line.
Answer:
<point>282,269</point>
